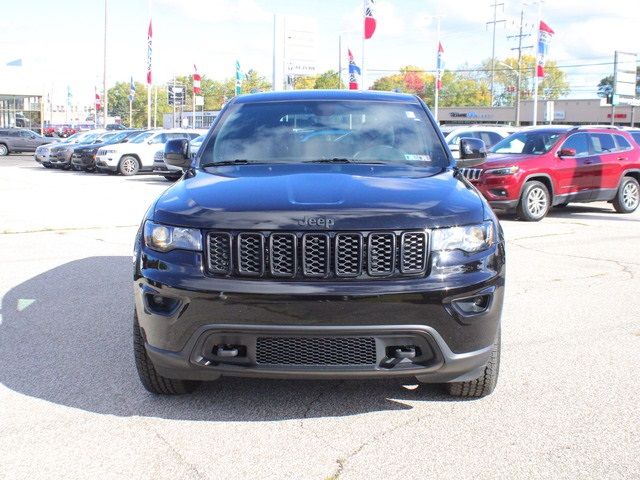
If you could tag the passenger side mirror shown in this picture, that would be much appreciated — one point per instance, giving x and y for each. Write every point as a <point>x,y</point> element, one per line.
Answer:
<point>472,152</point>
<point>567,152</point>
<point>176,153</point>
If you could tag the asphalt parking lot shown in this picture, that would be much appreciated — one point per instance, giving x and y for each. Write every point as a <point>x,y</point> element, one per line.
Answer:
<point>71,406</point>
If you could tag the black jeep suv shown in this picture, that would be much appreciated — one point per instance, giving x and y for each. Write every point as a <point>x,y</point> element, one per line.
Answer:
<point>322,234</point>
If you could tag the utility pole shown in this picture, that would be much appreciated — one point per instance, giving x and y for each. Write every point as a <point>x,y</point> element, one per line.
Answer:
<point>105,100</point>
<point>520,36</point>
<point>493,44</point>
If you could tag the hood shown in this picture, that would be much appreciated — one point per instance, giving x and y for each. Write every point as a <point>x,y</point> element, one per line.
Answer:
<point>497,160</point>
<point>296,196</point>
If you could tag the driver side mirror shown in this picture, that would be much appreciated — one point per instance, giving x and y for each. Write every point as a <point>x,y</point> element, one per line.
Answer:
<point>473,152</point>
<point>567,152</point>
<point>176,153</point>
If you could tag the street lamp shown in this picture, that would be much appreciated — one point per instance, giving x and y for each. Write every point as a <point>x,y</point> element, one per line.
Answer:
<point>517,72</point>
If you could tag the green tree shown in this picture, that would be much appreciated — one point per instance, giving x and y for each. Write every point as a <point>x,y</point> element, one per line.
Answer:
<point>305,82</point>
<point>554,85</point>
<point>328,80</point>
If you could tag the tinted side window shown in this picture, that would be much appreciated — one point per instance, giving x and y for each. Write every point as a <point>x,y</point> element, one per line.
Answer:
<point>622,142</point>
<point>636,137</point>
<point>603,142</point>
<point>490,138</point>
<point>579,142</point>
<point>162,138</point>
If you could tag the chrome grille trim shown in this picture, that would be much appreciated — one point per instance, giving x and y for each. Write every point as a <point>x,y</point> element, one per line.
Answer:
<point>471,173</point>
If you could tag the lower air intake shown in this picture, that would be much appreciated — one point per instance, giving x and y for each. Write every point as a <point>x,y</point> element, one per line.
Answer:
<point>316,351</point>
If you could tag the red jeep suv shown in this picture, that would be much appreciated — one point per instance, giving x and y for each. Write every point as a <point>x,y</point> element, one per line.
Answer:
<point>540,167</point>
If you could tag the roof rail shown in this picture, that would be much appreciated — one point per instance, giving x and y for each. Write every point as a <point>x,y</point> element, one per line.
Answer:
<point>606,127</point>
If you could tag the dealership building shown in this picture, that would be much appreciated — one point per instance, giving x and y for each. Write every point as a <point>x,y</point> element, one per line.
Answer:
<point>564,112</point>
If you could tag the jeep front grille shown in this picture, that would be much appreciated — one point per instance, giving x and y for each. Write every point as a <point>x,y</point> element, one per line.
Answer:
<point>313,350</point>
<point>317,255</point>
<point>471,173</point>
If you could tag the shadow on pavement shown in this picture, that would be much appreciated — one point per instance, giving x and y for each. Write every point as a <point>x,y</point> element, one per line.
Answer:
<point>65,337</point>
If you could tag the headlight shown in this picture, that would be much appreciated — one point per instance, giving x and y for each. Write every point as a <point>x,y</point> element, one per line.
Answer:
<point>165,238</point>
<point>470,238</point>
<point>503,171</point>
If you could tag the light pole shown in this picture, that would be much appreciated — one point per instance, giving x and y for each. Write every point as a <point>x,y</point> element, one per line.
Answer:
<point>517,102</point>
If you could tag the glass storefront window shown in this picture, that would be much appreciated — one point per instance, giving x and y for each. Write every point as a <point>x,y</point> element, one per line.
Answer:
<point>20,111</point>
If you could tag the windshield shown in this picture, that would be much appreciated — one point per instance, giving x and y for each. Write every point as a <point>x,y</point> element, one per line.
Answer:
<point>141,138</point>
<point>532,143</point>
<point>90,138</point>
<point>312,131</point>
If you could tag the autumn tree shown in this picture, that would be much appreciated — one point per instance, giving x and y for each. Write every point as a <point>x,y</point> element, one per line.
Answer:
<point>554,85</point>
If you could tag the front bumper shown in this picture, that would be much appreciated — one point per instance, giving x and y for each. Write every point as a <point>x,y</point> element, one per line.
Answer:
<point>501,191</point>
<point>61,159</point>
<point>196,315</point>
<point>83,161</point>
<point>103,165</point>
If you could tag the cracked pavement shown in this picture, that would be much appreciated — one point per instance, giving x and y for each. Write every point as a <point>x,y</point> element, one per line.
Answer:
<point>71,407</point>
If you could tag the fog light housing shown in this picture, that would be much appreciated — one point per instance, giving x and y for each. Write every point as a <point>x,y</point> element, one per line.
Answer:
<point>157,303</point>
<point>473,305</point>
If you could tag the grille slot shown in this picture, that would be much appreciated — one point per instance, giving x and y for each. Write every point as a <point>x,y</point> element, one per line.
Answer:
<point>250,254</point>
<point>219,258</point>
<point>316,351</point>
<point>348,254</point>
<point>413,258</point>
<point>315,254</point>
<point>283,249</point>
<point>382,253</point>
<point>471,173</point>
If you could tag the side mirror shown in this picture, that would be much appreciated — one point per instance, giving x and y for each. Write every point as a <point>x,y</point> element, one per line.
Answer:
<point>567,152</point>
<point>472,152</point>
<point>176,153</point>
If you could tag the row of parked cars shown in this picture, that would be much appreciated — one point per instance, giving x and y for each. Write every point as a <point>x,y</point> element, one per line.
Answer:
<point>528,170</point>
<point>125,152</point>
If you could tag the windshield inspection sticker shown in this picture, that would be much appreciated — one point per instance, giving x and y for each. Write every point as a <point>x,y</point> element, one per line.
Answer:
<point>420,158</point>
<point>410,114</point>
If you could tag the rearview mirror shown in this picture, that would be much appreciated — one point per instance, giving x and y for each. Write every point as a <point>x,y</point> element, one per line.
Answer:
<point>472,152</point>
<point>567,152</point>
<point>176,153</point>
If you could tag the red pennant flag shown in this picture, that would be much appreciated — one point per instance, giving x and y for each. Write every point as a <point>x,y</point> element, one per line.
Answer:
<point>369,20</point>
<point>196,81</point>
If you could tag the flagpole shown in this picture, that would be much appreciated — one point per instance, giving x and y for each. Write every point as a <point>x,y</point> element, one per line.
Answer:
<point>363,72</point>
<point>149,72</point>
<point>130,110</point>
<point>193,97</point>
<point>535,70</point>
<point>435,103</point>
<point>155,107</point>
<point>104,70</point>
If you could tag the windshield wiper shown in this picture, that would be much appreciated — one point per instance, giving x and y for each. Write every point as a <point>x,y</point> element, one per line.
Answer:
<point>329,160</point>
<point>237,161</point>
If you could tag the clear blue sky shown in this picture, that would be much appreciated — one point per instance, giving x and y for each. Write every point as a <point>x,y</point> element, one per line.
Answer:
<point>61,42</point>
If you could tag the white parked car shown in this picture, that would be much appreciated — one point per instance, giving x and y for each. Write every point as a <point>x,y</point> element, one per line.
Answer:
<point>137,154</point>
<point>489,135</point>
<point>169,171</point>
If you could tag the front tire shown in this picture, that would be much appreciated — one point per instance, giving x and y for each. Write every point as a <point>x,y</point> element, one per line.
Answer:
<point>628,196</point>
<point>485,384</point>
<point>129,165</point>
<point>534,202</point>
<point>150,378</point>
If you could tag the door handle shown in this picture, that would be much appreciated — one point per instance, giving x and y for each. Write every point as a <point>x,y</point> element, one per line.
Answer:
<point>622,159</point>
<point>588,162</point>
